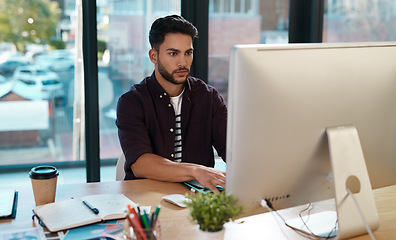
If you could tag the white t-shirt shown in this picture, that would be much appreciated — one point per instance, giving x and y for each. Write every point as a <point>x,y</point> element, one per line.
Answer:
<point>177,103</point>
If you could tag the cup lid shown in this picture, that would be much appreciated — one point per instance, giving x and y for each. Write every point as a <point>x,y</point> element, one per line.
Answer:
<point>43,172</point>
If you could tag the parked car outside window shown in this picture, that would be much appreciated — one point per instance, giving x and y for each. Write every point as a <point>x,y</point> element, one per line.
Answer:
<point>7,68</point>
<point>56,60</point>
<point>37,83</point>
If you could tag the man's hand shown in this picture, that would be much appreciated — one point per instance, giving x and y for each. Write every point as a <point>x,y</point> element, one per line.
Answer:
<point>158,168</point>
<point>210,177</point>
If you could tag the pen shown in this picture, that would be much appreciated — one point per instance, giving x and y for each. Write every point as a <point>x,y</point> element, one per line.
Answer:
<point>130,208</point>
<point>157,210</point>
<point>133,211</point>
<point>145,220</point>
<point>95,210</point>
<point>154,216</point>
<point>136,229</point>
<point>136,220</point>
<point>138,210</point>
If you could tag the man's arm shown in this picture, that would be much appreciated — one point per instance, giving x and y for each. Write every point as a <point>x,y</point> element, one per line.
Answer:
<point>155,167</point>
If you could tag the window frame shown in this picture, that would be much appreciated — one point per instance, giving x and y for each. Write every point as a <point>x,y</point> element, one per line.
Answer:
<point>306,25</point>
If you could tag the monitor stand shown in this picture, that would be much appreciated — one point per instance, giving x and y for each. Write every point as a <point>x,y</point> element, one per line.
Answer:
<point>350,172</point>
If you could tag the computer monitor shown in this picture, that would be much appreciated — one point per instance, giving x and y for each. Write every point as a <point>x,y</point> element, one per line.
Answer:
<point>283,99</point>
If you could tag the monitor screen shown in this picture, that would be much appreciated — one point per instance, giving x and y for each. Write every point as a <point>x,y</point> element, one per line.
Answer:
<point>282,98</point>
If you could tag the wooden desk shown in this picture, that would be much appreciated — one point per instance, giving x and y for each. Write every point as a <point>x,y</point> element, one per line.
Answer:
<point>175,221</point>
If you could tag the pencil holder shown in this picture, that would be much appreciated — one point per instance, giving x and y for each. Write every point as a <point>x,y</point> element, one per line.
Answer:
<point>136,233</point>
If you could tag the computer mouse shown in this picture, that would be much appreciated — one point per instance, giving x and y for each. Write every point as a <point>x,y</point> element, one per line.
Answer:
<point>177,199</point>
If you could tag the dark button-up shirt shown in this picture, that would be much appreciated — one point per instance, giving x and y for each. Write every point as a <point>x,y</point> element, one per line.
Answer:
<point>146,123</point>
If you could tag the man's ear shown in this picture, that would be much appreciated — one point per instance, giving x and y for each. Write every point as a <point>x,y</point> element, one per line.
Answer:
<point>153,54</point>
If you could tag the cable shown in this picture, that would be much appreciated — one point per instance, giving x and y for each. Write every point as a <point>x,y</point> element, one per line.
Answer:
<point>309,214</point>
<point>309,208</point>
<point>361,214</point>
<point>268,205</point>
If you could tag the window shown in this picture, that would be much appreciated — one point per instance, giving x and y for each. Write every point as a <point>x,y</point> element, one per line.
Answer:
<point>122,29</point>
<point>242,22</point>
<point>49,40</point>
<point>359,21</point>
<point>233,7</point>
<point>124,7</point>
<point>123,60</point>
<point>32,35</point>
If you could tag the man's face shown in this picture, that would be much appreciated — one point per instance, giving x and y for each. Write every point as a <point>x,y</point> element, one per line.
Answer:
<point>175,57</point>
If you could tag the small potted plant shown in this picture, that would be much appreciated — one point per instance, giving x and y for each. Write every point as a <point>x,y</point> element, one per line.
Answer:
<point>212,211</point>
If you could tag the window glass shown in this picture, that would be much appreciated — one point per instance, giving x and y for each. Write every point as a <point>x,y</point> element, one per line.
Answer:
<point>234,22</point>
<point>359,21</point>
<point>123,57</point>
<point>46,34</point>
<point>36,125</point>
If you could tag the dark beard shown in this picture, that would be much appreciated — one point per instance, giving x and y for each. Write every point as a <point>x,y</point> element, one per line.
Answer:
<point>168,77</point>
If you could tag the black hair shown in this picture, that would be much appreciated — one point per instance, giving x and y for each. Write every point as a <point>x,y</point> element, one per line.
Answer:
<point>170,24</point>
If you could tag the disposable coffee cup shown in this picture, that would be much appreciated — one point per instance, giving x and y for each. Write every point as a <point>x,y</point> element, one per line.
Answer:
<point>44,180</point>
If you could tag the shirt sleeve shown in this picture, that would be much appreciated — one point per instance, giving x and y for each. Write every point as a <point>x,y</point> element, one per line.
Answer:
<point>219,124</point>
<point>132,130</point>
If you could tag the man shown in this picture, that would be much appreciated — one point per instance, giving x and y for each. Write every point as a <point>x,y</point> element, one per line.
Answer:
<point>169,123</point>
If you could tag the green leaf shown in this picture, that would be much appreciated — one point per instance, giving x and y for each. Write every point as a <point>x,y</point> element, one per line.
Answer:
<point>212,211</point>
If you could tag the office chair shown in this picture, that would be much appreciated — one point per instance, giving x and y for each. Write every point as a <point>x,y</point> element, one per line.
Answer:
<point>120,173</point>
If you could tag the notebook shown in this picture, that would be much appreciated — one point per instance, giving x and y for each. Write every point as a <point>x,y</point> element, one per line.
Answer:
<point>8,203</point>
<point>73,213</point>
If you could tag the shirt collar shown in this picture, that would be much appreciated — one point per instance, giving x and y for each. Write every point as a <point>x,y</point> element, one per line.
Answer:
<point>159,90</point>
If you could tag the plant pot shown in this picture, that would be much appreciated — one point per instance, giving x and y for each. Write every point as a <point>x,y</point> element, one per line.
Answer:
<point>210,235</point>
